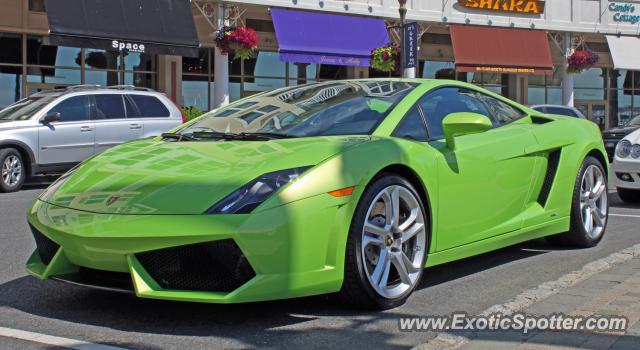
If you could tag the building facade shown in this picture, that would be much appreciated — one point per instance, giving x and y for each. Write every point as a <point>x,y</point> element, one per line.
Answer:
<point>609,92</point>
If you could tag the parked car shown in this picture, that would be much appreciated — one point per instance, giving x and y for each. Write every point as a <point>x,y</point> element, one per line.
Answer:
<point>340,186</point>
<point>559,110</point>
<point>626,166</point>
<point>613,135</point>
<point>50,132</point>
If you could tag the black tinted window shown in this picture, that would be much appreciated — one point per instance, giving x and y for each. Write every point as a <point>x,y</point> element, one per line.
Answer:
<point>562,111</point>
<point>109,107</point>
<point>501,111</point>
<point>132,111</point>
<point>73,109</point>
<point>412,127</point>
<point>149,106</point>
<point>442,102</point>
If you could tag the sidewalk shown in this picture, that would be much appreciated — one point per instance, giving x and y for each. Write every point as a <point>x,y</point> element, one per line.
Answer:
<point>615,291</point>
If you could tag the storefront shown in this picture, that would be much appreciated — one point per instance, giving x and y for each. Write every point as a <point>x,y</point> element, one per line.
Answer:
<point>485,42</point>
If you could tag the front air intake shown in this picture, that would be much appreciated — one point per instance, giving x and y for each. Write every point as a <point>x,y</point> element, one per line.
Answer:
<point>553,161</point>
<point>46,248</point>
<point>218,266</point>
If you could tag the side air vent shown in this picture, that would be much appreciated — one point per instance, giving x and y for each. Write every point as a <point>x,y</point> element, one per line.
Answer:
<point>47,248</point>
<point>552,168</point>
<point>218,266</point>
<point>536,119</point>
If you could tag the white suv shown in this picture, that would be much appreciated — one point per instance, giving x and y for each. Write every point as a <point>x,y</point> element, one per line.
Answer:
<point>626,166</point>
<point>49,132</point>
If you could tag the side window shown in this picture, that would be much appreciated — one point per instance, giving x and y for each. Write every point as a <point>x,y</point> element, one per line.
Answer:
<point>412,127</point>
<point>73,109</point>
<point>438,104</point>
<point>149,106</point>
<point>501,111</point>
<point>132,111</point>
<point>109,106</point>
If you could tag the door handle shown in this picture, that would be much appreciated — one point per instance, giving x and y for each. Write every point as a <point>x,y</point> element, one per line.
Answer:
<point>85,128</point>
<point>135,126</point>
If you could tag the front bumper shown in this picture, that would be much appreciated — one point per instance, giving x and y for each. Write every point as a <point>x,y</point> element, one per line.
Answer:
<point>627,173</point>
<point>288,251</point>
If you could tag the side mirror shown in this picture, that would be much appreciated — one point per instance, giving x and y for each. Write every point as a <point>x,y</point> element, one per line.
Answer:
<point>463,123</point>
<point>50,118</point>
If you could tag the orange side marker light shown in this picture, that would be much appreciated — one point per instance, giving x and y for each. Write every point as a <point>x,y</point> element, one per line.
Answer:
<point>343,192</point>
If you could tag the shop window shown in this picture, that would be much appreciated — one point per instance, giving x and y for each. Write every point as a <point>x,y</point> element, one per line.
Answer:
<point>10,86</point>
<point>37,6</point>
<point>11,45</point>
<point>332,72</point>
<point>593,78</point>
<point>267,64</point>
<point>102,77</point>
<point>101,59</point>
<point>438,70</point>
<point>139,61</point>
<point>198,64</point>
<point>61,77</point>
<point>260,25</point>
<point>138,79</point>
<point>194,92</point>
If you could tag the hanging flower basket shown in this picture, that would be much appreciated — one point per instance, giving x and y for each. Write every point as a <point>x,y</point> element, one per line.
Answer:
<point>241,41</point>
<point>386,59</point>
<point>581,60</point>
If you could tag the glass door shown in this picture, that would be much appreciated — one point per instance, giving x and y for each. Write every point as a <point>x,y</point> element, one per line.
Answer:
<point>596,111</point>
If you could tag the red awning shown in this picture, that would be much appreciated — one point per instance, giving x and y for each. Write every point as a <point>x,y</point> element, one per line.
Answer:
<point>501,50</point>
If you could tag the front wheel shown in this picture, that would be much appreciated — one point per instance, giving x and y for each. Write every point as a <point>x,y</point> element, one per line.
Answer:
<point>589,209</point>
<point>387,245</point>
<point>12,171</point>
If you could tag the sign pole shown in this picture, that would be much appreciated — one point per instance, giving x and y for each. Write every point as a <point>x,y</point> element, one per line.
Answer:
<point>403,13</point>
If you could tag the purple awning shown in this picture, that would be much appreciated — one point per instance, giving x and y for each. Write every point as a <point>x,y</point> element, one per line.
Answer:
<point>322,38</point>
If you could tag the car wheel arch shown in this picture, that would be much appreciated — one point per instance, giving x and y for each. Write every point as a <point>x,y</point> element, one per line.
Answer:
<point>413,178</point>
<point>602,158</point>
<point>25,152</point>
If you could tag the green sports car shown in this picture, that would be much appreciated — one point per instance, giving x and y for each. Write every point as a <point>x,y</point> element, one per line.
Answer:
<point>346,187</point>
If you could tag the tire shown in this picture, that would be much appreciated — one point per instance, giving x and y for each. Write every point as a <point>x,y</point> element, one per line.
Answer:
<point>629,195</point>
<point>368,253</point>
<point>589,207</point>
<point>12,170</point>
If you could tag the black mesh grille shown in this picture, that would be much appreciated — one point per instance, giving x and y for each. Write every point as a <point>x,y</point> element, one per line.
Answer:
<point>552,168</point>
<point>47,248</point>
<point>217,266</point>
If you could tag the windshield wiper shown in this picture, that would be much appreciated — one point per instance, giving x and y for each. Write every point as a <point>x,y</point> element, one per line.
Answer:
<point>178,137</point>
<point>257,136</point>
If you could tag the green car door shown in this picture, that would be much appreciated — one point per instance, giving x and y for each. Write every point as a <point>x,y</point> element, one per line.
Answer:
<point>486,180</point>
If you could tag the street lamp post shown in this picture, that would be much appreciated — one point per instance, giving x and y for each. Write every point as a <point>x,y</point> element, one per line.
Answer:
<point>403,13</point>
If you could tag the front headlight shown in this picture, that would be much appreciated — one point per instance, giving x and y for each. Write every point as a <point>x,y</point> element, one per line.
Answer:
<point>251,195</point>
<point>623,150</point>
<point>635,151</point>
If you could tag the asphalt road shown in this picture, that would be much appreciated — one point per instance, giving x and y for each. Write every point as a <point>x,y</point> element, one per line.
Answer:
<point>470,285</point>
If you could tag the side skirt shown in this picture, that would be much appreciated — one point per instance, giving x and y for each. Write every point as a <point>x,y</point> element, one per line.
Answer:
<point>508,239</point>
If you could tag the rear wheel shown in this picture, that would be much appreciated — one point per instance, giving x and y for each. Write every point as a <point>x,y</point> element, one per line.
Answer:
<point>590,207</point>
<point>12,170</point>
<point>387,245</point>
<point>628,195</point>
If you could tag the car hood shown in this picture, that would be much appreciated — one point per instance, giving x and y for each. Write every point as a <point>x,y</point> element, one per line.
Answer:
<point>620,131</point>
<point>14,124</point>
<point>159,177</point>
<point>633,137</point>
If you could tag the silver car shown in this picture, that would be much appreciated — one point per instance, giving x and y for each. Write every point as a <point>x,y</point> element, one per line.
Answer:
<point>559,110</point>
<point>49,132</point>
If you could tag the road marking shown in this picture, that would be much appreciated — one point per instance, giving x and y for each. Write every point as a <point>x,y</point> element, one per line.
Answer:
<point>527,298</point>
<point>54,341</point>
<point>625,215</point>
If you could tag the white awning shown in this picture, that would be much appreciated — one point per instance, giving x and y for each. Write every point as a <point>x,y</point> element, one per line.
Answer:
<point>625,51</point>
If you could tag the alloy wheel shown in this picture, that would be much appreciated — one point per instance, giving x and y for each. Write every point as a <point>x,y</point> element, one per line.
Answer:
<point>394,241</point>
<point>593,201</point>
<point>11,170</point>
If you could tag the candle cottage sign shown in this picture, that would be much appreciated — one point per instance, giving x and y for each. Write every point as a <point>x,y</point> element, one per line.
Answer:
<point>531,7</point>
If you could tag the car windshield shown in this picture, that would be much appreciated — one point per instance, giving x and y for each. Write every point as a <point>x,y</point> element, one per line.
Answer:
<point>26,108</point>
<point>635,121</point>
<point>321,109</point>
